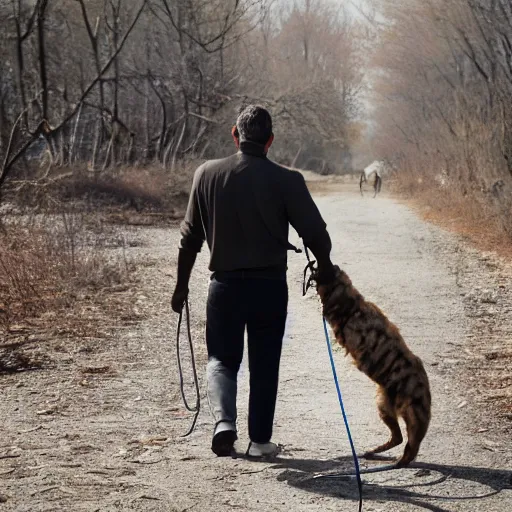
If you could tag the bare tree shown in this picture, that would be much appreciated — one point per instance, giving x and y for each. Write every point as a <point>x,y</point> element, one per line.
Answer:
<point>104,83</point>
<point>442,95</point>
<point>46,126</point>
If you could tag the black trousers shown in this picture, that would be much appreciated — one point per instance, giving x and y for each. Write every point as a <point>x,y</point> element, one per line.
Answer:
<point>258,303</point>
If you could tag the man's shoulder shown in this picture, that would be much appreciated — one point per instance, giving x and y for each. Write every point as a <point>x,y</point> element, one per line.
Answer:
<point>211,167</point>
<point>287,174</point>
<point>219,163</point>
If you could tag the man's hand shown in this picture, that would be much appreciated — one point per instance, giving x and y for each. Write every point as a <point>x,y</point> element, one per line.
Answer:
<point>325,274</point>
<point>178,299</point>
<point>186,261</point>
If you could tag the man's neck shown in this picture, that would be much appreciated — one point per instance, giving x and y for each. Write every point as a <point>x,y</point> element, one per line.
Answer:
<point>252,148</point>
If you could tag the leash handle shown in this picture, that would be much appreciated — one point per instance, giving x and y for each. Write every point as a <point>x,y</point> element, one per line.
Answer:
<point>197,407</point>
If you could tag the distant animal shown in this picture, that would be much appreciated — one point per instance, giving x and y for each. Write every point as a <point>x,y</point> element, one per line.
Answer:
<point>380,352</point>
<point>368,172</point>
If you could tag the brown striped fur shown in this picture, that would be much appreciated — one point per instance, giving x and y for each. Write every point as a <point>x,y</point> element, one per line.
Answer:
<point>380,352</point>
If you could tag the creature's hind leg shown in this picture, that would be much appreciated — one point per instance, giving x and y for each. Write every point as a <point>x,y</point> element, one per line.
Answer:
<point>417,424</point>
<point>377,185</point>
<point>387,414</point>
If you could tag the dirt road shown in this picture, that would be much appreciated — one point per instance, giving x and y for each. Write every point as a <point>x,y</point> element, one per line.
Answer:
<point>75,440</point>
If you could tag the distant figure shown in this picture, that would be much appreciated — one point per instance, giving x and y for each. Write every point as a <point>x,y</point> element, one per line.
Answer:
<point>374,168</point>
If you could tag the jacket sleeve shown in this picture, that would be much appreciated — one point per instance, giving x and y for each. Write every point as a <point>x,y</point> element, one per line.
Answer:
<point>305,217</point>
<point>192,229</point>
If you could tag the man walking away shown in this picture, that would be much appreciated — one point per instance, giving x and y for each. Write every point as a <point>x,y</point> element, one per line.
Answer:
<point>243,205</point>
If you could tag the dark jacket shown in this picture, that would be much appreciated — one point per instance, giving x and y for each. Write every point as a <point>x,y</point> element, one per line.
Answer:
<point>243,205</point>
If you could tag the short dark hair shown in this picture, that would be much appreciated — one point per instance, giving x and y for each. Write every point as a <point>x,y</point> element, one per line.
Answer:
<point>254,124</point>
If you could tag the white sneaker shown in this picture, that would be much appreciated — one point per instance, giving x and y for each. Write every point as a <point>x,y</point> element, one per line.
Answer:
<point>262,449</point>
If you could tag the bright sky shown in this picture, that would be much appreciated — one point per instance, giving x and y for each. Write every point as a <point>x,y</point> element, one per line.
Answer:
<point>352,5</point>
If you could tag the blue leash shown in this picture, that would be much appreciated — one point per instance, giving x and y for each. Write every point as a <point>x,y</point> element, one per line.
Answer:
<point>345,419</point>
<point>340,400</point>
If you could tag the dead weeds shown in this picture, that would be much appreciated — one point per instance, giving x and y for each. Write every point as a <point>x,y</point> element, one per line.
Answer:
<point>62,277</point>
<point>479,216</point>
<point>125,195</point>
<point>483,273</point>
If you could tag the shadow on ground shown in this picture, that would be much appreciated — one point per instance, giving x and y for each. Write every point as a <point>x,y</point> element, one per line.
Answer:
<point>448,483</point>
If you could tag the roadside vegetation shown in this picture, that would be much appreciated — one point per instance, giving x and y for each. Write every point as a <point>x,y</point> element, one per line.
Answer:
<point>442,100</point>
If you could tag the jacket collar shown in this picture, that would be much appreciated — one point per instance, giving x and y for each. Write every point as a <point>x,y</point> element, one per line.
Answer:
<point>252,148</point>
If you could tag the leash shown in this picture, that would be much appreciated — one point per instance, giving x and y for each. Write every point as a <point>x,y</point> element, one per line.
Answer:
<point>306,285</point>
<point>197,407</point>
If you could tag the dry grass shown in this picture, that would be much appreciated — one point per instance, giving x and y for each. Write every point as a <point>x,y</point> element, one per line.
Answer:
<point>63,270</point>
<point>461,182</point>
<point>481,217</point>
<point>333,184</point>
<point>52,268</point>
<point>142,190</point>
<point>150,192</point>
<point>487,224</point>
<point>42,269</point>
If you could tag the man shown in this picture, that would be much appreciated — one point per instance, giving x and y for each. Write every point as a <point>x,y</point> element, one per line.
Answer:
<point>243,205</point>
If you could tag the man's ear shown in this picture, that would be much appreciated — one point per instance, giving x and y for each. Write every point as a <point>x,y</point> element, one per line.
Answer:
<point>235,135</point>
<point>269,142</point>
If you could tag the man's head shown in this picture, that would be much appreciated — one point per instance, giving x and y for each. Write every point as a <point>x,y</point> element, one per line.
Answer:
<point>254,124</point>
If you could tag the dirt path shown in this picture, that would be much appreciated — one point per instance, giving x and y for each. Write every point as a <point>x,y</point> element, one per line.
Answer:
<point>75,440</point>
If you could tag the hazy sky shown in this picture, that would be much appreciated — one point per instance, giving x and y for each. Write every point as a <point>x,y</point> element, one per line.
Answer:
<point>350,4</point>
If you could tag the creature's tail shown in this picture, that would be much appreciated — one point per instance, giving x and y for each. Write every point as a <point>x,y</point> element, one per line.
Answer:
<point>417,419</point>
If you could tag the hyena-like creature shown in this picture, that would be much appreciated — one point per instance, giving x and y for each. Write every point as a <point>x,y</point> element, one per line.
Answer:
<point>380,352</point>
